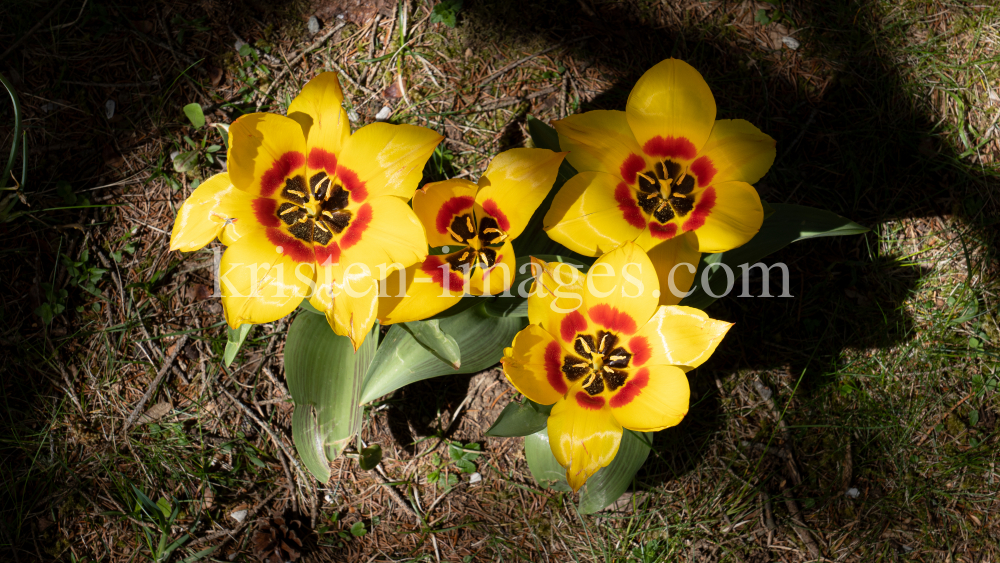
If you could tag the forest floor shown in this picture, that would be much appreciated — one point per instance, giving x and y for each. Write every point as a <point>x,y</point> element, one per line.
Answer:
<point>858,421</point>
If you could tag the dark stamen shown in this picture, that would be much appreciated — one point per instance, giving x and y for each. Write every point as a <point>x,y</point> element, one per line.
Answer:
<point>303,230</point>
<point>490,232</point>
<point>682,205</point>
<point>596,386</point>
<point>663,214</point>
<point>574,368</point>
<point>585,345</point>
<point>336,221</point>
<point>461,227</point>
<point>615,379</point>
<point>461,261</point>
<point>617,358</point>
<point>686,185</point>
<point>489,255</point>
<point>290,213</point>
<point>646,184</point>
<point>295,190</point>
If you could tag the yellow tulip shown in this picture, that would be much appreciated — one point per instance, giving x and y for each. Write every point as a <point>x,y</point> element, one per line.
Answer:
<point>606,356</point>
<point>309,210</point>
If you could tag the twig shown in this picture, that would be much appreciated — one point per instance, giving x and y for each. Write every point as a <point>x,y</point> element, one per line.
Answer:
<point>942,418</point>
<point>231,533</point>
<point>516,100</point>
<point>396,496</point>
<point>72,23</point>
<point>765,500</point>
<point>798,524</point>
<point>297,58</point>
<point>486,81</point>
<point>156,383</point>
<point>32,30</point>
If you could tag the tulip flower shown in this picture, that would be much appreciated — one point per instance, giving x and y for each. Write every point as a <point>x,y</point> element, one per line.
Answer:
<point>309,210</point>
<point>664,173</point>
<point>476,224</point>
<point>606,356</point>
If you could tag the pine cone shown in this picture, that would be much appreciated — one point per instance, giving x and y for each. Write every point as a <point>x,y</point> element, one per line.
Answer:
<point>281,539</point>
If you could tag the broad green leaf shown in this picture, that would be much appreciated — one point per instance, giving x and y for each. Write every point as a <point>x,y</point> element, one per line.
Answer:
<point>370,457</point>
<point>429,334</point>
<point>402,360</point>
<point>533,239</point>
<point>185,161</point>
<point>542,464</point>
<point>358,529</point>
<point>787,224</point>
<point>517,304</point>
<point>520,419</point>
<point>307,306</point>
<point>235,341</point>
<point>605,486</point>
<point>195,115</point>
<point>324,376</point>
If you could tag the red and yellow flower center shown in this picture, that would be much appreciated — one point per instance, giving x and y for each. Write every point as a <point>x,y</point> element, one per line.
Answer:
<point>316,211</point>
<point>477,242</point>
<point>669,193</point>
<point>599,361</point>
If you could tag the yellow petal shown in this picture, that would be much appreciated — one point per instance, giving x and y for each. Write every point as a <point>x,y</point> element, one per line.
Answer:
<point>601,141</point>
<point>533,364</point>
<point>514,185</point>
<point>440,204</point>
<point>671,111</point>
<point>319,111</point>
<point>653,398</point>
<point>413,294</point>
<point>349,298</point>
<point>207,212</point>
<point>497,279</point>
<point>725,216</point>
<point>265,150</point>
<point>736,150</point>
<point>676,262</point>
<point>555,300</point>
<point>594,213</point>
<point>386,160</point>
<point>260,284</point>
<point>677,336</point>
<point>584,435</point>
<point>383,236</point>
<point>622,290</point>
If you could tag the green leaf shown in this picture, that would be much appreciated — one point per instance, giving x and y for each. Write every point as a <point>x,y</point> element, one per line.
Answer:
<point>761,17</point>
<point>402,360</point>
<point>542,464</point>
<point>520,419</point>
<point>324,377</point>
<point>516,305</point>
<point>185,161</point>
<point>370,457</point>
<point>973,417</point>
<point>605,486</point>
<point>446,12</point>
<point>235,341</point>
<point>429,334</point>
<point>195,115</point>
<point>789,223</point>
<point>466,466</point>
<point>455,451</point>
<point>358,529</point>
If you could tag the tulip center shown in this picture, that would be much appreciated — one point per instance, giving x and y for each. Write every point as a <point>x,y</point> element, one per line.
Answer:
<point>314,212</point>
<point>665,191</point>
<point>477,242</point>
<point>599,360</point>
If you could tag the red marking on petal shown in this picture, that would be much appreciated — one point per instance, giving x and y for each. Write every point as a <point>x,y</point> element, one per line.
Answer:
<point>493,209</point>
<point>553,367</point>
<point>290,246</point>
<point>452,207</point>
<point>627,205</point>
<point>327,255</point>
<point>641,350</point>
<point>588,402</point>
<point>432,266</point>
<point>265,210</point>
<point>704,170</point>
<point>359,224</point>
<point>571,325</point>
<point>701,210</point>
<point>349,179</point>
<point>612,319</point>
<point>320,159</point>
<point>670,147</point>
<point>663,232</point>
<point>281,169</point>
<point>631,167</point>
<point>632,388</point>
